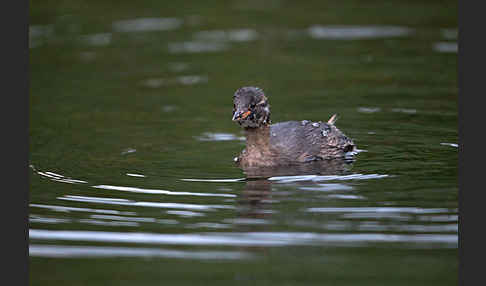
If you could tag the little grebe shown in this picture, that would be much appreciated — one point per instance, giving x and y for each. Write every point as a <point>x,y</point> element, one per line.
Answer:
<point>283,143</point>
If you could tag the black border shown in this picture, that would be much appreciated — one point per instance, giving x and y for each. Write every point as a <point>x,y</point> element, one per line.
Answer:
<point>15,140</point>
<point>471,80</point>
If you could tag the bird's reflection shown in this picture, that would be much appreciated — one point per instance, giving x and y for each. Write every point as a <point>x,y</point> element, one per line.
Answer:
<point>324,167</point>
<point>256,199</point>
<point>256,206</point>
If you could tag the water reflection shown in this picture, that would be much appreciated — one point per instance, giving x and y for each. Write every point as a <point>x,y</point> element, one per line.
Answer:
<point>57,177</point>
<point>404,110</point>
<point>78,209</point>
<point>328,188</point>
<point>126,202</point>
<point>237,35</point>
<point>196,47</point>
<point>128,151</point>
<point>306,171</point>
<point>160,192</point>
<point>446,47</point>
<point>369,109</point>
<point>76,251</point>
<point>273,239</point>
<point>98,40</point>
<point>341,32</point>
<point>450,33</point>
<point>38,34</point>
<point>409,210</point>
<point>257,212</point>
<point>185,213</point>
<point>135,175</point>
<point>127,170</point>
<point>254,204</point>
<point>209,136</point>
<point>147,24</point>
<point>255,207</point>
<point>450,144</point>
<point>179,80</point>
<point>178,66</point>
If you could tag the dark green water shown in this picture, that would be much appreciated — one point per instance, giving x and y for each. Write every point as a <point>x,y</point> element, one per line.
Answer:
<point>131,143</point>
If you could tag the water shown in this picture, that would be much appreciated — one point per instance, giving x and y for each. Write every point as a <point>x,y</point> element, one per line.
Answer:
<point>132,179</point>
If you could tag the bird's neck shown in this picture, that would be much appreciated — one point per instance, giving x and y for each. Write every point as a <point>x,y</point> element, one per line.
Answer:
<point>258,139</point>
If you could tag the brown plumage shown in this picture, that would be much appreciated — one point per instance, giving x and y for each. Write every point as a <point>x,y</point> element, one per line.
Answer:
<point>284,143</point>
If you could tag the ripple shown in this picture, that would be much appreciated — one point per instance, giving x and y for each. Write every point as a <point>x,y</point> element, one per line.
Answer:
<point>379,215</point>
<point>213,41</point>
<point>450,144</point>
<point>247,238</point>
<point>191,79</point>
<point>235,35</point>
<point>328,188</point>
<point>125,202</point>
<point>208,136</point>
<point>57,177</point>
<point>169,108</point>
<point>346,197</point>
<point>98,40</point>
<point>178,66</point>
<point>38,34</point>
<point>108,223</point>
<point>439,218</point>
<point>445,47</point>
<point>185,213</point>
<point>369,109</point>
<point>215,180</point>
<point>196,47</point>
<point>71,251</point>
<point>256,5</point>
<point>449,33</point>
<point>128,151</point>
<point>212,225</point>
<point>124,218</point>
<point>70,181</point>
<point>374,226</point>
<point>247,221</point>
<point>412,210</point>
<point>135,175</point>
<point>160,192</point>
<point>404,110</point>
<point>40,30</point>
<point>50,220</point>
<point>317,178</point>
<point>183,80</point>
<point>147,24</point>
<point>87,56</point>
<point>153,82</point>
<point>93,220</point>
<point>340,32</point>
<point>74,209</point>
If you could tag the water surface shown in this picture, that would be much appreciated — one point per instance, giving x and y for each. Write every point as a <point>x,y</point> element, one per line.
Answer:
<point>132,179</point>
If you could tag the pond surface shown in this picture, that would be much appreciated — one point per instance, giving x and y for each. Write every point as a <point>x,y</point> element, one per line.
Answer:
<point>132,179</point>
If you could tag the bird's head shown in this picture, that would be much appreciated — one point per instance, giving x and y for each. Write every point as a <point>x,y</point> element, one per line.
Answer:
<point>250,107</point>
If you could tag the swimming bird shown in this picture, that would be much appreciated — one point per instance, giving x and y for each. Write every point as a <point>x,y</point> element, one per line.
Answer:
<point>284,143</point>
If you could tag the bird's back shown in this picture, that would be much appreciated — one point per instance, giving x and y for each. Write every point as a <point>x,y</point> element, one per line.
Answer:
<point>305,141</point>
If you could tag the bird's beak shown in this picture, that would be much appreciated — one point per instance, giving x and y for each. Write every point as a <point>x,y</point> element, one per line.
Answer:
<point>240,115</point>
<point>236,116</point>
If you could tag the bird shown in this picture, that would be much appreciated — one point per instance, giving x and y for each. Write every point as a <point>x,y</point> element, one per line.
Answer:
<point>284,143</point>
